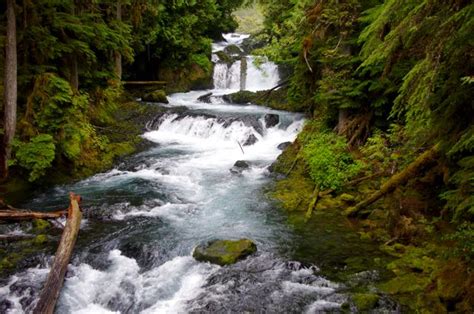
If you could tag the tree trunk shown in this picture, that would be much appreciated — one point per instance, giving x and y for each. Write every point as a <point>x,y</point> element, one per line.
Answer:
<point>52,288</point>
<point>343,119</point>
<point>117,54</point>
<point>10,90</point>
<point>398,179</point>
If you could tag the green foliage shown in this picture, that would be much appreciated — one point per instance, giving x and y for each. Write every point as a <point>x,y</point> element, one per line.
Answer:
<point>330,164</point>
<point>36,156</point>
<point>464,236</point>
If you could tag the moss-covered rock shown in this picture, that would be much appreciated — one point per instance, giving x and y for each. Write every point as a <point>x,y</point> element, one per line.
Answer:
<point>233,50</point>
<point>365,301</point>
<point>184,79</point>
<point>156,96</point>
<point>242,97</point>
<point>40,225</point>
<point>224,57</point>
<point>40,239</point>
<point>224,252</point>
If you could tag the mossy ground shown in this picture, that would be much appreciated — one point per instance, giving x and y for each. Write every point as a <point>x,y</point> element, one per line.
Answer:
<point>123,134</point>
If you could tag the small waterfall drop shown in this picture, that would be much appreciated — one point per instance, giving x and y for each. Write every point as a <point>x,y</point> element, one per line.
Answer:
<point>249,73</point>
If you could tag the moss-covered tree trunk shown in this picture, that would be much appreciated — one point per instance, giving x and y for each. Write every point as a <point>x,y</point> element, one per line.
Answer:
<point>10,90</point>
<point>117,54</point>
<point>411,171</point>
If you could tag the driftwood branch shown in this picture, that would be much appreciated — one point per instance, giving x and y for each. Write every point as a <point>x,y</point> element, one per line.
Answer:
<point>411,171</point>
<point>54,282</point>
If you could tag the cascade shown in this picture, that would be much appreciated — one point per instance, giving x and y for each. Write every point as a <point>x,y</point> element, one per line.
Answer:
<point>156,206</point>
<point>248,73</point>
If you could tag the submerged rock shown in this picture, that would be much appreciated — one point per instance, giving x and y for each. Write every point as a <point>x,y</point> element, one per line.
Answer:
<point>252,139</point>
<point>206,98</point>
<point>156,96</point>
<point>239,166</point>
<point>271,119</point>
<point>224,252</point>
<point>283,145</point>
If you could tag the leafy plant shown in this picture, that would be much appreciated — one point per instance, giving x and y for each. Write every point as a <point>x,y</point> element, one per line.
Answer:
<point>36,155</point>
<point>330,164</point>
<point>464,236</point>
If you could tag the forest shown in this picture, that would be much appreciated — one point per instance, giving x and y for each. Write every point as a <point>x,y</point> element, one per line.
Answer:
<point>386,88</point>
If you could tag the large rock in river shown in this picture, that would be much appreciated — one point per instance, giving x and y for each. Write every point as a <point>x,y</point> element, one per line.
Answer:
<point>271,120</point>
<point>239,166</point>
<point>156,96</point>
<point>224,252</point>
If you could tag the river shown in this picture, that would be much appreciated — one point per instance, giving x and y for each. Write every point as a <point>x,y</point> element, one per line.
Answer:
<point>144,217</point>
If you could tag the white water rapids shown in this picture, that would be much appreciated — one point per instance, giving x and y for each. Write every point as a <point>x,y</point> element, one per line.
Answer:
<point>163,202</point>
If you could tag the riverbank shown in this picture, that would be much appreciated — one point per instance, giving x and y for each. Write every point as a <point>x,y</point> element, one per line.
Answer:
<point>121,131</point>
<point>419,269</point>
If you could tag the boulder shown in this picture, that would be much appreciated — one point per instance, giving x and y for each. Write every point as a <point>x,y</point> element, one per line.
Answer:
<point>233,50</point>
<point>224,252</point>
<point>239,166</point>
<point>206,98</point>
<point>365,301</point>
<point>283,145</point>
<point>271,120</point>
<point>224,57</point>
<point>242,97</point>
<point>252,139</point>
<point>156,96</point>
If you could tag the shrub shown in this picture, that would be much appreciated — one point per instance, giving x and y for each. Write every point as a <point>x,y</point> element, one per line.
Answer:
<point>330,164</point>
<point>36,155</point>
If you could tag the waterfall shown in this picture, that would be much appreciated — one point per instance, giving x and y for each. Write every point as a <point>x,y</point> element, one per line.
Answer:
<point>248,73</point>
<point>227,77</point>
<point>261,77</point>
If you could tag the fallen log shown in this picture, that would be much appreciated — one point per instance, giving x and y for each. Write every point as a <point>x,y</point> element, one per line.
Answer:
<point>19,215</point>
<point>425,159</point>
<point>51,289</point>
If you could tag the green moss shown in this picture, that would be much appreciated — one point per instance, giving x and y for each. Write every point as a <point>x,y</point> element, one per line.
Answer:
<point>10,261</point>
<point>406,283</point>
<point>275,99</point>
<point>40,225</point>
<point>348,198</point>
<point>224,252</point>
<point>224,57</point>
<point>233,50</point>
<point>187,78</point>
<point>40,239</point>
<point>156,96</point>
<point>365,301</point>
